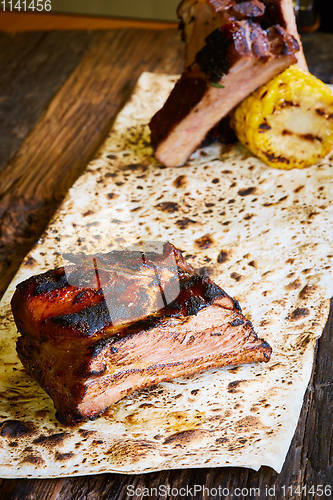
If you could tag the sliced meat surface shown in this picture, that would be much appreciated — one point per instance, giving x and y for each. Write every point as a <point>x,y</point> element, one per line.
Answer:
<point>236,59</point>
<point>86,363</point>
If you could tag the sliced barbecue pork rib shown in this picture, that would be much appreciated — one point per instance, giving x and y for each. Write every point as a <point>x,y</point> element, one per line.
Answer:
<point>236,59</point>
<point>85,362</point>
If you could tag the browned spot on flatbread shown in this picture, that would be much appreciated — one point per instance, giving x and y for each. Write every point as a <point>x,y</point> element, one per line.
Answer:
<point>221,440</point>
<point>41,413</point>
<point>248,424</point>
<point>222,256</point>
<point>303,341</point>
<point>87,213</point>
<point>134,166</point>
<point>298,313</point>
<point>186,437</point>
<point>52,439</point>
<point>236,276</point>
<point>61,457</point>
<point>167,206</point>
<point>180,182</point>
<point>234,386</point>
<point>247,191</point>
<point>275,366</point>
<point>183,223</point>
<point>205,241</point>
<point>33,458</point>
<point>307,291</point>
<point>234,369</point>
<point>130,451</point>
<point>29,261</point>
<point>265,322</point>
<point>97,441</point>
<point>16,428</point>
<point>293,285</point>
<point>85,433</point>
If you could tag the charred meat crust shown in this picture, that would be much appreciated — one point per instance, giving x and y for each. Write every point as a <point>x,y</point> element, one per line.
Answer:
<point>244,38</point>
<point>87,321</point>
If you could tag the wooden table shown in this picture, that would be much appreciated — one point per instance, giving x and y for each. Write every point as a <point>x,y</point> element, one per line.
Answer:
<point>59,92</point>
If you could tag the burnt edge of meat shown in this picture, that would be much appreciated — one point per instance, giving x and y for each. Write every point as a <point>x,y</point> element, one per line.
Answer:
<point>47,282</point>
<point>92,319</point>
<point>87,321</point>
<point>230,41</point>
<point>273,14</point>
<point>193,86</point>
<point>212,58</point>
<point>287,44</point>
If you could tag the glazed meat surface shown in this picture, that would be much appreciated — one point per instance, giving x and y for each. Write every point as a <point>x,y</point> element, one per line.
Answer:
<point>245,51</point>
<point>199,18</point>
<point>87,351</point>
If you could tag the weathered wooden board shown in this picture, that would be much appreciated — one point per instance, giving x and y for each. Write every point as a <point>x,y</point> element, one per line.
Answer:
<point>71,125</point>
<point>59,93</point>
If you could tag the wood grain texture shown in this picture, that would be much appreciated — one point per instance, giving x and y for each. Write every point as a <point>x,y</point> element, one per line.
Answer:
<point>32,58</point>
<point>60,134</point>
<point>14,22</point>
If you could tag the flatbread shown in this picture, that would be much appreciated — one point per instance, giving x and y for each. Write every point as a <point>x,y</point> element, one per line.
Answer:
<point>264,235</point>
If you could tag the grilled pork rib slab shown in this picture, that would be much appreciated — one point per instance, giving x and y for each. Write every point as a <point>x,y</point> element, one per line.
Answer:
<point>85,363</point>
<point>237,58</point>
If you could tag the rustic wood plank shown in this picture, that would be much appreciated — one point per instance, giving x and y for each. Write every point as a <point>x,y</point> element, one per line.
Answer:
<point>18,22</point>
<point>33,68</point>
<point>60,145</point>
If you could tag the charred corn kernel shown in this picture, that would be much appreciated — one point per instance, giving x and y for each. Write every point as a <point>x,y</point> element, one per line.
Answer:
<point>288,122</point>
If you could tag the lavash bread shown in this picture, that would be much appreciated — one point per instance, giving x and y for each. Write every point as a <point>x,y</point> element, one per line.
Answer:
<point>264,235</point>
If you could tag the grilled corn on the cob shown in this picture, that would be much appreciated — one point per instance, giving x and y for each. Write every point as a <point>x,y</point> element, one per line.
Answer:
<point>288,122</point>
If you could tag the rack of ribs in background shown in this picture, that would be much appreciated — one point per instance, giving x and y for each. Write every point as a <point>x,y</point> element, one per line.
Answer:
<point>98,330</point>
<point>232,48</point>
